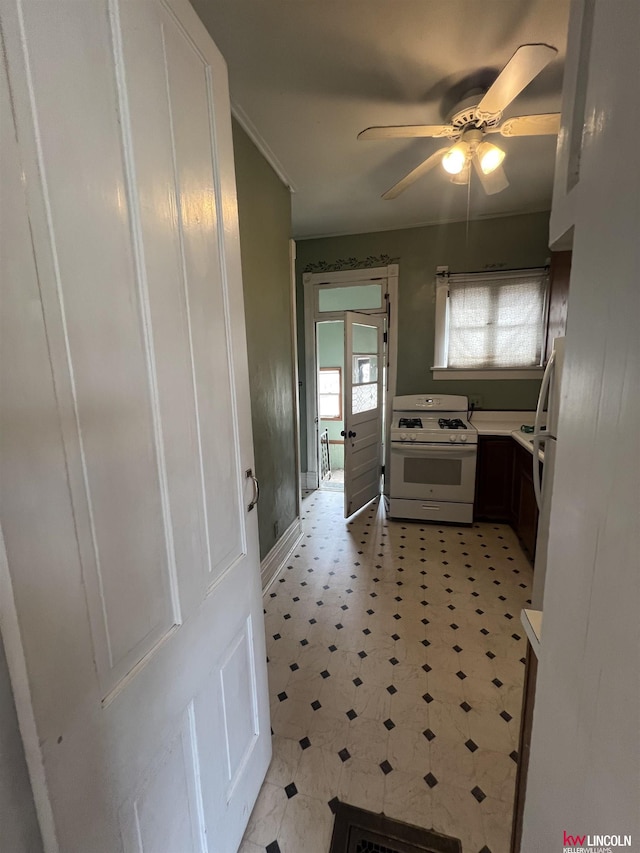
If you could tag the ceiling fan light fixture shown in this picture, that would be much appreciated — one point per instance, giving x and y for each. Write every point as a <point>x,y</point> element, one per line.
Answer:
<point>455,159</point>
<point>462,177</point>
<point>490,157</point>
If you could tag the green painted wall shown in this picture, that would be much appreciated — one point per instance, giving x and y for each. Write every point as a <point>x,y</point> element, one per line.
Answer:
<point>264,208</point>
<point>503,243</point>
<point>331,354</point>
<point>19,830</point>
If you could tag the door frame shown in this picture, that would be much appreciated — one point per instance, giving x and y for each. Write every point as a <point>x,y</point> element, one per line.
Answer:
<point>312,283</point>
<point>295,378</point>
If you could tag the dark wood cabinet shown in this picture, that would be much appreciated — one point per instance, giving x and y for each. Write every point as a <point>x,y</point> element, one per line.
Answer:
<point>516,480</point>
<point>525,521</point>
<point>559,274</point>
<point>504,488</point>
<point>494,476</point>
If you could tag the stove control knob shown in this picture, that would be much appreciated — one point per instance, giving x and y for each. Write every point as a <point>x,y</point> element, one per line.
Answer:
<point>463,437</point>
<point>403,436</point>
<point>413,436</point>
<point>452,438</point>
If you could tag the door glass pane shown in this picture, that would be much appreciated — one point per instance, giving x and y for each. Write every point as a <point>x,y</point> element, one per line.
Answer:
<point>356,297</point>
<point>364,398</point>
<point>365,369</point>
<point>433,472</point>
<point>365,338</point>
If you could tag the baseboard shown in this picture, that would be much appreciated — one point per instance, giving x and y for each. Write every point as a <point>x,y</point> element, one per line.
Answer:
<point>309,479</point>
<point>280,553</point>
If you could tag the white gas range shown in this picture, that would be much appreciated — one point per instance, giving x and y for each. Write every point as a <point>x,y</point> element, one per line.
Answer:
<point>433,458</point>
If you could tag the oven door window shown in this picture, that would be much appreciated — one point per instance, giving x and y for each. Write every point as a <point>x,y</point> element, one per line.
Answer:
<point>433,471</point>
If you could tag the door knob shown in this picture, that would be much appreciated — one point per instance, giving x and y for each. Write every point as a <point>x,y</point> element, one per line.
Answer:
<point>352,434</point>
<point>343,434</point>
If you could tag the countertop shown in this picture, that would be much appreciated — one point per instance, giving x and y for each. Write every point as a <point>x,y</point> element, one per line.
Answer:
<point>508,424</point>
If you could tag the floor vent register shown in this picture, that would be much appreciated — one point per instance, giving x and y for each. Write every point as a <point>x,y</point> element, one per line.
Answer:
<point>359,831</point>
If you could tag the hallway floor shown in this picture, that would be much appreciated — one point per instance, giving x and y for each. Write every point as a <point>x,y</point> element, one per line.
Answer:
<point>335,482</point>
<point>396,663</point>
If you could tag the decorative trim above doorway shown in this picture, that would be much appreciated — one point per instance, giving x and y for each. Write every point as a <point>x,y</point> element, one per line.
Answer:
<point>351,264</point>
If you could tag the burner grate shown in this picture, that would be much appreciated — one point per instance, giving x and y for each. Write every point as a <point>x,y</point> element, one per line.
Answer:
<point>451,423</point>
<point>410,423</point>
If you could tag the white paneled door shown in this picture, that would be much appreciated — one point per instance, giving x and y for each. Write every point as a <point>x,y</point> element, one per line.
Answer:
<point>364,367</point>
<point>131,588</point>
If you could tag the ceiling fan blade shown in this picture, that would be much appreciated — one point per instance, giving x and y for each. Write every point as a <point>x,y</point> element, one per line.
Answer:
<point>416,173</point>
<point>492,183</point>
<point>408,131</point>
<point>525,64</point>
<point>545,124</point>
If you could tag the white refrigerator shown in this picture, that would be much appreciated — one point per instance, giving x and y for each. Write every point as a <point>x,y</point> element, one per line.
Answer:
<point>545,437</point>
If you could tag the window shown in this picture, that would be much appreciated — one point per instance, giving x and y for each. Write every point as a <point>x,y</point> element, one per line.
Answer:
<point>490,321</point>
<point>330,393</point>
<point>355,297</point>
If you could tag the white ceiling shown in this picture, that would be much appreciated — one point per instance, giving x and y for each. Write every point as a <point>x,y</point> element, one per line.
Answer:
<point>307,75</point>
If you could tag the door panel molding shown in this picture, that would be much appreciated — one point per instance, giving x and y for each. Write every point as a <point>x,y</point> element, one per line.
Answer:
<point>238,666</point>
<point>178,761</point>
<point>67,355</point>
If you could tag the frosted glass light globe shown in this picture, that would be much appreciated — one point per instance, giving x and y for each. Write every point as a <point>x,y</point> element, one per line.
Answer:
<point>490,157</point>
<point>454,160</point>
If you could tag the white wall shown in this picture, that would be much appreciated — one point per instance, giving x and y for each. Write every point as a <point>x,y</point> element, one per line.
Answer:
<point>19,832</point>
<point>584,772</point>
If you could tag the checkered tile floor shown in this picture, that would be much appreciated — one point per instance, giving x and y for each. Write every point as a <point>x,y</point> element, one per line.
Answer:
<point>396,662</point>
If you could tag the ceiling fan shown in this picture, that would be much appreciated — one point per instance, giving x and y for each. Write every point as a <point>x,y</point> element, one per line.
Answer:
<point>472,120</point>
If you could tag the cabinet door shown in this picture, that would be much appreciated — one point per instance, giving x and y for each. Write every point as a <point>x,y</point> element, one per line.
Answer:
<point>559,275</point>
<point>524,501</point>
<point>494,478</point>
<point>516,478</point>
<point>567,188</point>
<point>527,514</point>
<point>524,746</point>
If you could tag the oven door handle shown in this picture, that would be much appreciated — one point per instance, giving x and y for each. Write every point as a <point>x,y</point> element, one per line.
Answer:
<point>430,449</point>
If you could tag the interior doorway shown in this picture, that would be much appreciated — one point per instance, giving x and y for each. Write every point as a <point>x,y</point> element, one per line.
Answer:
<point>330,380</point>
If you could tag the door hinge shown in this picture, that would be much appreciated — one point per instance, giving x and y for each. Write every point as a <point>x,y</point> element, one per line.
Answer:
<point>384,337</point>
<point>382,470</point>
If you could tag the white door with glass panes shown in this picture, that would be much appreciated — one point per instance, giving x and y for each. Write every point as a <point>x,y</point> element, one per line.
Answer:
<point>363,408</point>
<point>130,598</point>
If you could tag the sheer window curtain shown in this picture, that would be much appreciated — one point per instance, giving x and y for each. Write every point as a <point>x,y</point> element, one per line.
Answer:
<point>496,320</point>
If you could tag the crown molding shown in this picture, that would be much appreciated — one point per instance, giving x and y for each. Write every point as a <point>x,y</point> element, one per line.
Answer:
<point>254,135</point>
